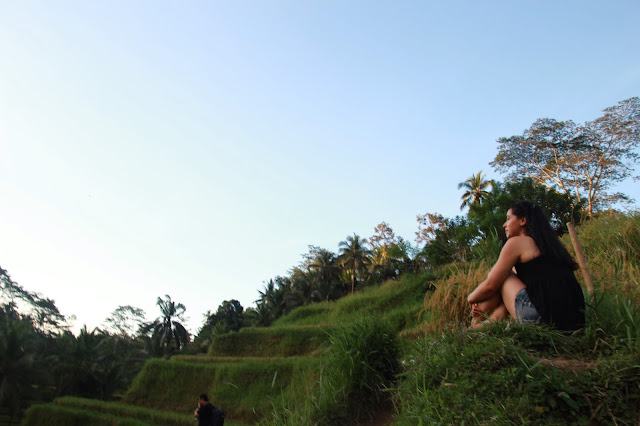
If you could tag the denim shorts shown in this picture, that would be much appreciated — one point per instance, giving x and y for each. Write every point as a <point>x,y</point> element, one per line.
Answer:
<point>526,313</point>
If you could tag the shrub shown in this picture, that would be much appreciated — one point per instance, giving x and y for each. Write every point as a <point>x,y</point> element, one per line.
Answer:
<point>361,365</point>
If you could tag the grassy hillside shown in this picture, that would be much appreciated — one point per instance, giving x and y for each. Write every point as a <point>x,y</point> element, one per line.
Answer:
<point>510,374</point>
<point>243,389</point>
<point>329,363</point>
<point>270,342</point>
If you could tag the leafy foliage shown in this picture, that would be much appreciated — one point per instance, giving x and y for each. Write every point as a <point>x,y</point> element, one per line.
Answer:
<point>447,240</point>
<point>489,216</point>
<point>580,161</point>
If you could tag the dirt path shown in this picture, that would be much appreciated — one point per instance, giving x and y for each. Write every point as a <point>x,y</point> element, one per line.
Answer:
<point>384,417</point>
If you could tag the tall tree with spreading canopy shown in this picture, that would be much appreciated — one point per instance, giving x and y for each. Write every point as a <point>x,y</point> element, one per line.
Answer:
<point>125,320</point>
<point>385,259</point>
<point>580,161</point>
<point>355,256</point>
<point>475,189</point>
<point>43,311</point>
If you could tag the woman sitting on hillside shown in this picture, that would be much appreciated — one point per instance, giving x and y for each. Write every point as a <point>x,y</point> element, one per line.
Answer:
<point>542,289</point>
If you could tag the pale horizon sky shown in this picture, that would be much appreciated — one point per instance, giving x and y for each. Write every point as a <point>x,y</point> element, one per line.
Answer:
<point>197,149</point>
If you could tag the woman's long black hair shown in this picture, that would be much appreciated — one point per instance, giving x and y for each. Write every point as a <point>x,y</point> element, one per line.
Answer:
<point>540,230</point>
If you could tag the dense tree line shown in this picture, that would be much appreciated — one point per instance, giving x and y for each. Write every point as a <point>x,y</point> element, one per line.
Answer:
<point>40,358</point>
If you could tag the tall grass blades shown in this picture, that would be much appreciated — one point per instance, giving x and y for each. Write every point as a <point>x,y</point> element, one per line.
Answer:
<point>447,306</point>
<point>611,244</point>
<point>613,323</point>
<point>362,364</point>
<point>397,302</point>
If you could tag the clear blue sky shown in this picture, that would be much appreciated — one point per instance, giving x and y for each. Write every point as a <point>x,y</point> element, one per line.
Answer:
<point>197,148</point>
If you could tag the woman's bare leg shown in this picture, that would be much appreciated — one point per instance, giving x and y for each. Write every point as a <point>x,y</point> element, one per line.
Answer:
<point>501,305</point>
<point>512,285</point>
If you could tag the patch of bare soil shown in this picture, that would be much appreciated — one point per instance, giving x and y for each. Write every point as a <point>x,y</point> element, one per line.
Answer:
<point>383,417</point>
<point>573,365</point>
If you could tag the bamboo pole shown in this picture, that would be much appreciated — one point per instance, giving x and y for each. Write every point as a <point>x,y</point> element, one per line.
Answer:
<point>580,256</point>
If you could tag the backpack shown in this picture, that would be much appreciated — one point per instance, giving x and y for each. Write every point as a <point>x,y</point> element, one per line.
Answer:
<point>217,419</point>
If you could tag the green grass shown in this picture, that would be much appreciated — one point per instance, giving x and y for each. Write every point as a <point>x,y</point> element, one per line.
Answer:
<point>270,342</point>
<point>315,314</point>
<point>244,390</point>
<point>82,411</point>
<point>59,415</point>
<point>398,302</point>
<point>206,359</point>
<point>504,374</point>
<point>360,366</point>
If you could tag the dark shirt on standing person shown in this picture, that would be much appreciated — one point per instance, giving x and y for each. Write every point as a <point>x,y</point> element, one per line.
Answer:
<point>205,414</point>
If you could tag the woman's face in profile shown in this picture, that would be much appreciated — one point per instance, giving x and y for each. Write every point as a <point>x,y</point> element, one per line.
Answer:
<point>514,225</point>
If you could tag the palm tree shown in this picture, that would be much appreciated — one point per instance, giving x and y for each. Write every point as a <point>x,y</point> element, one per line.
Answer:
<point>172,332</point>
<point>325,273</point>
<point>260,316</point>
<point>355,257</point>
<point>475,189</point>
<point>273,297</point>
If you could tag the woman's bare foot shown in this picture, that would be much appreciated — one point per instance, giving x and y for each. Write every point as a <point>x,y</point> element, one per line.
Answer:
<point>479,322</point>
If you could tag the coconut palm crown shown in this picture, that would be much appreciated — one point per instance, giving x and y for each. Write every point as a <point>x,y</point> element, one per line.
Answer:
<point>475,189</point>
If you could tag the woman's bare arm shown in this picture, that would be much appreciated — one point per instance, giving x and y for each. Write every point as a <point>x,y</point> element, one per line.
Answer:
<point>510,255</point>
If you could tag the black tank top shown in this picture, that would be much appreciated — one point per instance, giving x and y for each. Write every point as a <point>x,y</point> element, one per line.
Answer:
<point>554,291</point>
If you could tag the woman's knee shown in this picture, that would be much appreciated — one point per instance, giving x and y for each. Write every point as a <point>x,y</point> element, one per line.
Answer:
<point>512,285</point>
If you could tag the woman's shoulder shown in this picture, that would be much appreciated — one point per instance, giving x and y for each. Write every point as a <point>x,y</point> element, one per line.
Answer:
<point>524,246</point>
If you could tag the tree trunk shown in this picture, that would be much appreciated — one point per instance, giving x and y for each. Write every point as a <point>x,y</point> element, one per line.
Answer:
<point>580,256</point>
